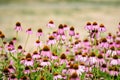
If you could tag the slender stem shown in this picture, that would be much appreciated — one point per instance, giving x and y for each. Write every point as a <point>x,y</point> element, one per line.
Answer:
<point>26,41</point>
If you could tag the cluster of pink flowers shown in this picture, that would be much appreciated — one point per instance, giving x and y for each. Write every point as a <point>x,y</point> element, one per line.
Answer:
<point>63,55</point>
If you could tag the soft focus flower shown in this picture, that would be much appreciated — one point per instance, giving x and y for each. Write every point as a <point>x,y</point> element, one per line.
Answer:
<point>102,28</point>
<point>18,27</point>
<point>115,60</point>
<point>51,24</point>
<point>51,40</point>
<point>29,31</point>
<point>38,43</point>
<point>71,31</point>
<point>88,26</point>
<point>39,32</point>
<point>46,52</point>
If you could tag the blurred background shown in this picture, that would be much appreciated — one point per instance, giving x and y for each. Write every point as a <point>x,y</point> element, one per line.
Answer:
<point>37,13</point>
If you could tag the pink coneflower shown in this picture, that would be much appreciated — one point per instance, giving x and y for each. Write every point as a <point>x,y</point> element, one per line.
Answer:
<point>45,62</point>
<point>83,58</point>
<point>51,40</point>
<point>111,52</point>
<point>24,78</point>
<point>14,40</point>
<point>95,26</point>
<point>57,76</point>
<point>38,43</point>
<point>88,26</point>
<point>110,37</point>
<point>46,52</point>
<point>18,27</point>
<point>29,31</point>
<point>100,59</point>
<point>103,43</point>
<point>77,36</point>
<point>28,60</point>
<point>117,43</point>
<point>101,28</point>
<point>60,29</point>
<point>54,56</point>
<point>74,76</point>
<point>11,47</point>
<point>20,48</point>
<point>71,32</point>
<point>113,71</point>
<point>27,70</point>
<point>118,50</point>
<point>39,32</point>
<point>115,60</point>
<point>35,55</point>
<point>6,72</point>
<point>104,68</point>
<point>89,75</point>
<point>55,34</point>
<point>78,55</point>
<point>51,24</point>
<point>11,69</point>
<point>76,68</point>
<point>65,27</point>
<point>63,59</point>
<point>92,58</point>
<point>13,77</point>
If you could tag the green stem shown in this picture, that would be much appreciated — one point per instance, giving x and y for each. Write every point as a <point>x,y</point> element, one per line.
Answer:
<point>26,41</point>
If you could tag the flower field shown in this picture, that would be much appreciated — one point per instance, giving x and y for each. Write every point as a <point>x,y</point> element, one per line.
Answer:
<point>62,55</point>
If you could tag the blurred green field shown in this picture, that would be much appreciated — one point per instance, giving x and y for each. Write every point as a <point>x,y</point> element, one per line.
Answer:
<point>37,13</point>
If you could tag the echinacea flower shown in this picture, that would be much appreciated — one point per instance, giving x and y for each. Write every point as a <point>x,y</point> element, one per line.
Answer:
<point>28,60</point>
<point>71,31</point>
<point>39,32</point>
<point>6,72</point>
<point>35,55</point>
<point>13,77</point>
<point>18,27</point>
<point>60,29</point>
<point>104,68</point>
<point>115,60</point>
<point>11,68</point>
<point>102,28</point>
<point>95,26</point>
<point>88,26</point>
<point>92,59</point>
<point>20,48</point>
<point>100,59</point>
<point>45,62</point>
<point>51,24</point>
<point>57,76</point>
<point>46,52</point>
<point>27,70</point>
<point>29,31</point>
<point>38,43</point>
<point>51,40</point>
<point>63,59</point>
<point>74,76</point>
